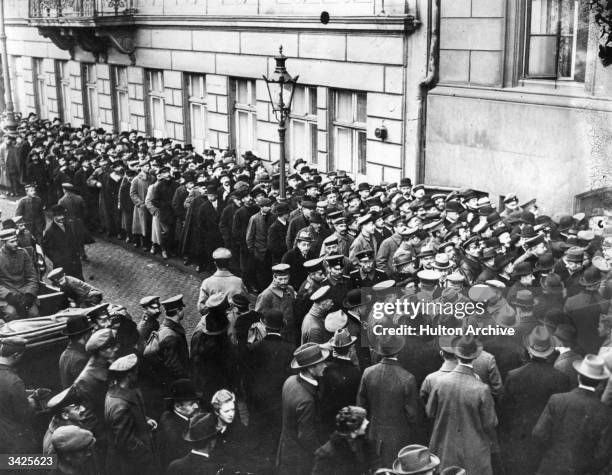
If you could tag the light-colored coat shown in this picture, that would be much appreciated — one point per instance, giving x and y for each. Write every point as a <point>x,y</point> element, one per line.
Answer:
<point>220,281</point>
<point>464,421</point>
<point>138,192</point>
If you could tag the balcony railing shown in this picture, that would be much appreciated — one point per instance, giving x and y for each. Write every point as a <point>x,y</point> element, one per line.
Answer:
<point>75,9</point>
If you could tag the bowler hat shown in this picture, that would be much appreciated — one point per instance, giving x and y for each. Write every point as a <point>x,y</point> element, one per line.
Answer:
<point>308,354</point>
<point>414,459</point>
<point>466,347</point>
<point>76,325</point>
<point>574,254</point>
<point>273,319</point>
<point>388,345</point>
<point>591,276</point>
<point>522,269</point>
<point>201,427</point>
<point>539,342</point>
<point>565,335</point>
<point>545,262</point>
<point>239,300</point>
<point>183,390</point>
<point>592,367</point>
<point>342,338</point>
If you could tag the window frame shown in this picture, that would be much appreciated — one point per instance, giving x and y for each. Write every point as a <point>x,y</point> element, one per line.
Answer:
<point>90,94</point>
<point>527,35</point>
<point>120,90</point>
<point>40,87</point>
<point>194,101</point>
<point>250,110</point>
<point>310,121</point>
<point>154,96</point>
<point>358,129</point>
<point>16,73</point>
<point>64,91</point>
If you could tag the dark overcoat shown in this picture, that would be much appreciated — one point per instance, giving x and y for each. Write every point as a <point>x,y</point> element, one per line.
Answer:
<point>72,361</point>
<point>276,240</point>
<point>342,455</point>
<point>130,448</point>
<point>192,243</point>
<point>63,248</point>
<point>574,434</point>
<point>583,311</point>
<point>193,464</point>
<point>389,393</point>
<point>173,357</point>
<point>299,435</point>
<point>297,273</point>
<point>339,387</point>
<point>15,414</point>
<point>526,393</point>
<point>170,437</point>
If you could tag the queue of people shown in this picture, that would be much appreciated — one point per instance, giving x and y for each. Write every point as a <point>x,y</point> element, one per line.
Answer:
<point>289,357</point>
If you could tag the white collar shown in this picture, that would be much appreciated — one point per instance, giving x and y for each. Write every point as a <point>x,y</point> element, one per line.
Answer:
<point>341,357</point>
<point>587,388</point>
<point>469,365</point>
<point>197,452</point>
<point>308,379</point>
<point>181,415</point>
<point>273,333</point>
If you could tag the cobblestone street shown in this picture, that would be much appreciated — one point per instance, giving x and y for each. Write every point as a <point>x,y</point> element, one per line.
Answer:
<point>124,275</point>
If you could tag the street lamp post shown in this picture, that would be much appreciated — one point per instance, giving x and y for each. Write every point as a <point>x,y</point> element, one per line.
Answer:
<point>10,124</point>
<point>279,84</point>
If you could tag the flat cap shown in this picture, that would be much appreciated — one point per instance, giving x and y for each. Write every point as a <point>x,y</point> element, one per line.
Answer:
<point>65,398</point>
<point>173,303</point>
<point>100,340</point>
<point>314,265</point>
<point>281,269</point>
<point>429,276</point>
<point>7,234</point>
<point>71,438</point>
<point>320,294</point>
<point>329,240</point>
<point>125,363</point>
<point>222,253</point>
<point>56,273</point>
<point>365,254</point>
<point>96,311</point>
<point>365,219</point>
<point>148,300</point>
<point>216,300</point>
<point>337,260</point>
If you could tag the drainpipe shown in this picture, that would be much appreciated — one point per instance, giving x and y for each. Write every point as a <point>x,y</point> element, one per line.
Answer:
<point>429,82</point>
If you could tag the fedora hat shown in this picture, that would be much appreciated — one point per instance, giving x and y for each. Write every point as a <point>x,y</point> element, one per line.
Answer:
<point>539,342</point>
<point>523,298</point>
<point>467,347</point>
<point>76,325</point>
<point>442,261</point>
<point>201,427</point>
<point>309,354</point>
<point>388,345</point>
<point>335,321</point>
<point>591,276</point>
<point>574,254</point>
<point>183,390</point>
<point>592,367</point>
<point>355,298</point>
<point>453,470</point>
<point>414,459</point>
<point>342,339</point>
<point>565,335</point>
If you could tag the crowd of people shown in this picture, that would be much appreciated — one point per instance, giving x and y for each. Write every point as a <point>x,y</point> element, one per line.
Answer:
<point>292,357</point>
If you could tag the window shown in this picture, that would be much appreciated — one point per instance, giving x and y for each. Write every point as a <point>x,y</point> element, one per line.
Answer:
<point>349,132</point>
<point>40,88</point>
<point>156,102</point>
<point>245,116</point>
<point>90,93</point>
<point>121,97</point>
<point>62,74</point>
<point>557,38</point>
<point>16,72</point>
<point>303,124</point>
<point>196,101</point>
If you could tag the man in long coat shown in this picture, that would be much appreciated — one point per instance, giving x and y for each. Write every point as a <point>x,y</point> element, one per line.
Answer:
<point>463,414</point>
<point>131,448</point>
<point>141,219</point>
<point>192,244</point>
<point>159,204</point>
<point>210,213</point>
<point>31,208</point>
<point>574,432</point>
<point>389,394</point>
<point>61,244</point>
<point>299,435</point>
<point>526,392</point>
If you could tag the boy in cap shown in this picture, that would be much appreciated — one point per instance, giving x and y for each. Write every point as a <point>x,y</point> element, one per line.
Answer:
<point>131,447</point>
<point>149,322</point>
<point>80,293</point>
<point>74,447</point>
<point>66,410</point>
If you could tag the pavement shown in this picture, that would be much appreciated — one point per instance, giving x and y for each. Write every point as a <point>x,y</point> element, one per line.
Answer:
<point>125,274</point>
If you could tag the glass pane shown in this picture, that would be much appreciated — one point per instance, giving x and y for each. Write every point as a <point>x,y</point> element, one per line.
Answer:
<point>544,17</point>
<point>582,39</point>
<point>121,77</point>
<point>197,121</point>
<point>343,149</point>
<point>361,152</point>
<point>312,107</point>
<point>299,101</point>
<point>566,45</point>
<point>123,107</point>
<point>568,17</point>
<point>242,123</point>
<point>158,113</point>
<point>313,143</point>
<point>344,107</point>
<point>542,56</point>
<point>361,107</point>
<point>93,106</point>
<point>242,92</point>
<point>298,139</point>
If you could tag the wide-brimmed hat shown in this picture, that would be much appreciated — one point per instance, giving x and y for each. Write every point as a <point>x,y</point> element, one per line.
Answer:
<point>442,261</point>
<point>309,354</point>
<point>77,325</point>
<point>466,347</point>
<point>335,321</point>
<point>201,427</point>
<point>355,298</point>
<point>342,339</point>
<point>183,390</point>
<point>592,367</point>
<point>539,342</point>
<point>591,276</point>
<point>565,335</point>
<point>414,459</point>
<point>523,298</point>
<point>388,345</point>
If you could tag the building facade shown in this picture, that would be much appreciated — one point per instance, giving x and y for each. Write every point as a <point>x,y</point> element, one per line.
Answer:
<point>516,101</point>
